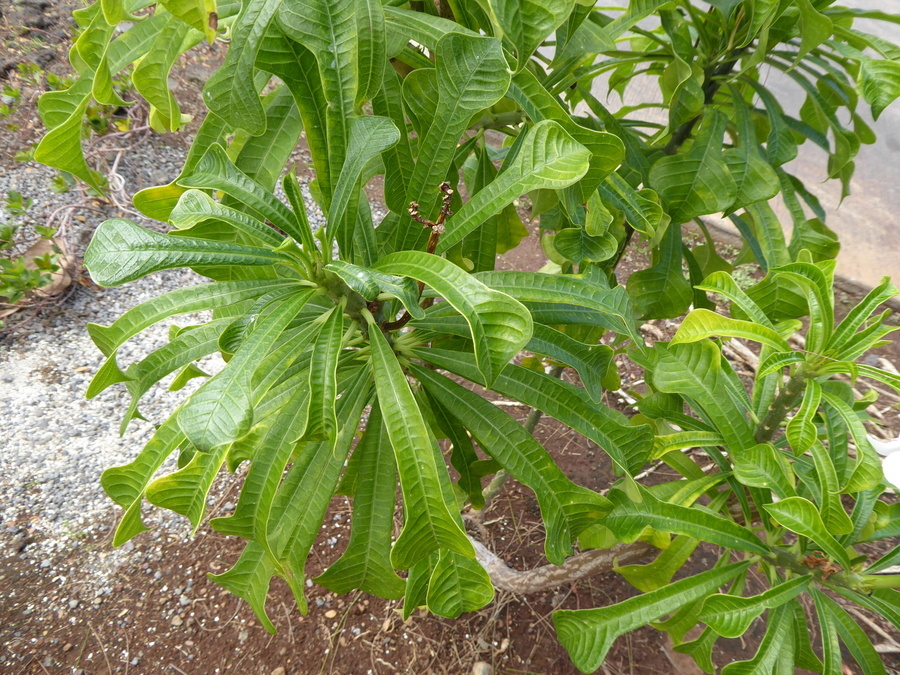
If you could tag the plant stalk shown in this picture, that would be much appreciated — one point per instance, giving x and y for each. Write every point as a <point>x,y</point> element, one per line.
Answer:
<point>780,407</point>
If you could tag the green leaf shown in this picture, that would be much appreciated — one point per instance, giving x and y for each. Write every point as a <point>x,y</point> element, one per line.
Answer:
<point>122,251</point>
<point>372,50</point>
<point>843,335</point>
<point>457,585</point>
<point>151,74</point>
<point>321,420</point>
<point>659,573</point>
<point>249,579</point>
<point>801,516</point>
<point>417,584</point>
<point>641,207</point>
<point>366,563</point>
<point>702,323</point>
<point>879,80</point>
<point>566,508</point>
<point>263,157</point>
<point>575,244</point>
<point>197,14</point>
<point>231,91</point>
<point>801,430</point>
<point>429,524</point>
<point>369,284</point>
<point>866,473</point>
<point>188,346</point>
<point>61,147</point>
<point>157,202</point>
<point>724,284</point>
<point>763,466</point>
<point>195,208</point>
<point>181,301</point>
<point>631,514</point>
<point>836,622</point>
<point>330,30</point>
<point>472,75</point>
<point>548,158</point>
<point>613,305</point>
<point>755,179</point>
<point>398,160</point>
<point>185,490</point>
<point>296,66</point>
<point>588,634</point>
<point>775,653</point>
<point>696,183</point>
<point>527,23</point>
<point>816,285</point>
<point>126,484</point>
<point>369,137</point>
<point>661,291</point>
<point>299,506</point>
<point>695,369</point>
<point>221,411</point>
<point>680,440</point>
<point>591,361</point>
<point>833,515</point>
<point>463,457</point>
<point>272,441</point>
<point>607,150</point>
<point>731,615</point>
<point>500,325</point>
<point>636,11</point>
<point>629,446</point>
<point>217,172</point>
<point>815,28</point>
<point>420,95</point>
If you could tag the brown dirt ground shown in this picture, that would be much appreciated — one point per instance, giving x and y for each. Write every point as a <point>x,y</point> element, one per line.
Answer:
<point>141,627</point>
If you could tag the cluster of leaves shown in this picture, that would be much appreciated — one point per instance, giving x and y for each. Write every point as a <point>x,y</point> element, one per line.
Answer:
<point>21,275</point>
<point>354,325</point>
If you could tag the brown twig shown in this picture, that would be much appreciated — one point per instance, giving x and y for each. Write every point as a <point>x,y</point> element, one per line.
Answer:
<point>437,229</point>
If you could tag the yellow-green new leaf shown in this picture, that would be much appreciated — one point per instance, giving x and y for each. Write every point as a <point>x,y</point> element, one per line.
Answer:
<point>703,323</point>
<point>801,516</point>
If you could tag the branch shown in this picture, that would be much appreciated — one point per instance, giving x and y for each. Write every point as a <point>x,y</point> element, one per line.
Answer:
<point>541,578</point>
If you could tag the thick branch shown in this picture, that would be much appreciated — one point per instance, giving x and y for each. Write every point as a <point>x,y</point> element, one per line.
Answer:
<point>781,406</point>
<point>577,567</point>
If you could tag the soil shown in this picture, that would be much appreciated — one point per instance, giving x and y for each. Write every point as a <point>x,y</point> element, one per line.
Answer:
<point>160,614</point>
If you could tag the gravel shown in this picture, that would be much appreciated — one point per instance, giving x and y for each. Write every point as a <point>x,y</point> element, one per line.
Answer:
<point>55,444</point>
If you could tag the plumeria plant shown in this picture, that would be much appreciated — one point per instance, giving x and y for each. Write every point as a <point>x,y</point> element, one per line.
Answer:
<point>348,346</point>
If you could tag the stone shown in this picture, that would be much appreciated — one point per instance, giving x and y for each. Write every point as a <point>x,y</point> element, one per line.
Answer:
<point>482,668</point>
<point>278,671</point>
<point>177,620</point>
<point>330,614</point>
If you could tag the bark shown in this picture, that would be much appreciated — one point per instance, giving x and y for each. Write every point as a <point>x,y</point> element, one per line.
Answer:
<point>577,567</point>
